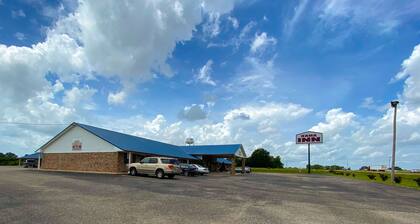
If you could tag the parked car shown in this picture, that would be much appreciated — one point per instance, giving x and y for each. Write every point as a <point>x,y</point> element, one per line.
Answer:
<point>201,169</point>
<point>158,166</point>
<point>366,168</point>
<point>415,171</point>
<point>239,169</point>
<point>30,163</point>
<point>188,169</point>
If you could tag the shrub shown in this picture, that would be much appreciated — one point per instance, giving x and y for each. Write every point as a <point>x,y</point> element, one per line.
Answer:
<point>353,174</point>
<point>347,174</point>
<point>418,181</point>
<point>398,179</point>
<point>339,172</point>
<point>383,176</point>
<point>371,176</point>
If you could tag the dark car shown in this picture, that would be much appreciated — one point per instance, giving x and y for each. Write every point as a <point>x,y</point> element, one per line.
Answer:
<point>247,169</point>
<point>30,163</point>
<point>367,168</point>
<point>188,169</point>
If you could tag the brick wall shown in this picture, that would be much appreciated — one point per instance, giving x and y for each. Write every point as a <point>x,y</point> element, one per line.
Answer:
<point>98,162</point>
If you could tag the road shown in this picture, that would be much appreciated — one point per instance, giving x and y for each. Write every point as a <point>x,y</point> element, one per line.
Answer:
<point>31,196</point>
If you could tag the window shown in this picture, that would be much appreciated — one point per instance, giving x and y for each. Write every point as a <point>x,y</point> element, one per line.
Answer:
<point>145,160</point>
<point>169,161</point>
<point>153,160</point>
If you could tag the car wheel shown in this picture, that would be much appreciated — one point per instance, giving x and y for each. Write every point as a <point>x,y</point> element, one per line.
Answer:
<point>133,171</point>
<point>185,173</point>
<point>171,176</point>
<point>159,174</point>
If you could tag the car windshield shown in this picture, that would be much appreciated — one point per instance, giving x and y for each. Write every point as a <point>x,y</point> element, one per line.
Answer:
<point>170,161</point>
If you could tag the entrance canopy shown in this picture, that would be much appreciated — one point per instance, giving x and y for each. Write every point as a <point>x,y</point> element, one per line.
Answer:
<point>220,151</point>
<point>31,156</point>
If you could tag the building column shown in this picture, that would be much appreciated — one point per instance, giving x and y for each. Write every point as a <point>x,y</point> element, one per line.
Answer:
<point>243,165</point>
<point>233,166</point>
<point>130,158</point>
<point>39,159</point>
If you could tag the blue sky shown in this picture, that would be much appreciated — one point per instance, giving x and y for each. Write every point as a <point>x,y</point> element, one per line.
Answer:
<point>250,72</point>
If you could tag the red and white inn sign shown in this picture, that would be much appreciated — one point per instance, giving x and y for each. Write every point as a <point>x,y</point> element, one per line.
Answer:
<point>309,137</point>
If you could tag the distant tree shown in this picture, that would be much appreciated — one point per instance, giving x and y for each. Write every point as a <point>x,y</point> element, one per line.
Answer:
<point>317,166</point>
<point>11,156</point>
<point>8,159</point>
<point>260,158</point>
<point>397,168</point>
<point>276,162</point>
<point>334,167</point>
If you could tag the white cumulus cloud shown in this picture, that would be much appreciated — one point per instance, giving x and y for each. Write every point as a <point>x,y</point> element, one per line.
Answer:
<point>335,120</point>
<point>117,98</point>
<point>204,74</point>
<point>411,73</point>
<point>79,98</point>
<point>261,41</point>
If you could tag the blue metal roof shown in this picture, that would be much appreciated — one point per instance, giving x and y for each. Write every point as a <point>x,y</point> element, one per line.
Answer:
<point>31,156</point>
<point>137,144</point>
<point>211,149</point>
<point>223,160</point>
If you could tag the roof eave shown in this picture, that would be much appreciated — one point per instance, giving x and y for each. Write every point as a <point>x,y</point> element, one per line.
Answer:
<point>61,133</point>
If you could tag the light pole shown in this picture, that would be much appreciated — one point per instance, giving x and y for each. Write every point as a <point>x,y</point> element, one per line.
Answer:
<point>394,104</point>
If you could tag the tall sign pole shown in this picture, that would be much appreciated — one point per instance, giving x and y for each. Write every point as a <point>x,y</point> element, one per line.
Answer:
<point>394,104</point>
<point>309,158</point>
<point>309,137</point>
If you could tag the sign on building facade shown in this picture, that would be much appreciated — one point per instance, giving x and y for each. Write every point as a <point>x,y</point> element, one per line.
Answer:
<point>76,145</point>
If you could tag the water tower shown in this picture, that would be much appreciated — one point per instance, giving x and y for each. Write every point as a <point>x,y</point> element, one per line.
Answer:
<point>189,141</point>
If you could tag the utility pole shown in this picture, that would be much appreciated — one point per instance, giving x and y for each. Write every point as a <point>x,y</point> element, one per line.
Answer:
<point>394,140</point>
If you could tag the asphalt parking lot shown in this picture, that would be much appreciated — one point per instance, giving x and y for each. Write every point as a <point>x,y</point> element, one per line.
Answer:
<point>30,196</point>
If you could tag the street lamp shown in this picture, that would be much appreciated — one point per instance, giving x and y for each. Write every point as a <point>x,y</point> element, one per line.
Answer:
<point>394,139</point>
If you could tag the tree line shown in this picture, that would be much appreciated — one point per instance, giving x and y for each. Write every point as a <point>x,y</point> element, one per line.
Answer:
<point>320,167</point>
<point>262,158</point>
<point>8,159</point>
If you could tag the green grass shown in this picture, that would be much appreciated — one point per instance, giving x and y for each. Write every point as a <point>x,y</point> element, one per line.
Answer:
<point>287,170</point>
<point>407,178</point>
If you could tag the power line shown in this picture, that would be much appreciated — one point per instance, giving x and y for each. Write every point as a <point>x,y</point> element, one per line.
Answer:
<point>28,123</point>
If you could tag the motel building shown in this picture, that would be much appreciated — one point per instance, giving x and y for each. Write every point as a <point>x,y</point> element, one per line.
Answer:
<point>86,148</point>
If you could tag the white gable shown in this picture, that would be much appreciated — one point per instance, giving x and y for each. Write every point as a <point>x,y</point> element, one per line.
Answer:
<point>240,153</point>
<point>77,140</point>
